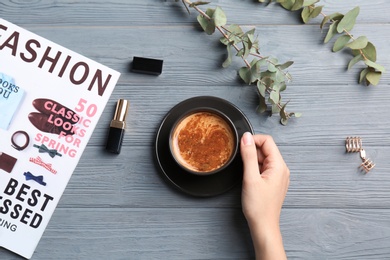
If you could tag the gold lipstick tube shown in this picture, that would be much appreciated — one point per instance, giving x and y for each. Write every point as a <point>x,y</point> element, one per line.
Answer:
<point>117,127</point>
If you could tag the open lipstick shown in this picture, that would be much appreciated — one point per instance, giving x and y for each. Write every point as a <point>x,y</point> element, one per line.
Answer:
<point>117,127</point>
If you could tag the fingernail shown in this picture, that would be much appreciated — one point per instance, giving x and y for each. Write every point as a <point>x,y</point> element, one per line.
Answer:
<point>247,138</point>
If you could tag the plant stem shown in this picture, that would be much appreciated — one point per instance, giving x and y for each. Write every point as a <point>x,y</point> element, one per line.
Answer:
<point>222,30</point>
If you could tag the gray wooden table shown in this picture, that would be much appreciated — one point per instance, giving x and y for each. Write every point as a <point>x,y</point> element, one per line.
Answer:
<point>119,207</point>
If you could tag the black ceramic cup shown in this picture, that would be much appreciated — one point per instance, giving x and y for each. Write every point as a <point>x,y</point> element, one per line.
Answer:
<point>203,141</point>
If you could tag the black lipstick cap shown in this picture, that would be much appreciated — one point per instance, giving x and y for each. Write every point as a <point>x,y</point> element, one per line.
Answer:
<point>117,127</point>
<point>147,65</point>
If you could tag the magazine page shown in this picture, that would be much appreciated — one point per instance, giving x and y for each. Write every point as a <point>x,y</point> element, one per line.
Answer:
<point>50,102</point>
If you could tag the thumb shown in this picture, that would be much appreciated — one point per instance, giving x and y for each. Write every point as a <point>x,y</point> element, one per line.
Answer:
<point>249,157</point>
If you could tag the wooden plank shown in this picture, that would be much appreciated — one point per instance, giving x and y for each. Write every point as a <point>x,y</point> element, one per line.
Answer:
<point>192,58</point>
<point>359,110</point>
<point>163,13</point>
<point>321,177</point>
<point>187,233</point>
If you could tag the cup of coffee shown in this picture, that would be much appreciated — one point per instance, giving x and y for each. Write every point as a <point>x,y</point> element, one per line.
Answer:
<point>203,141</point>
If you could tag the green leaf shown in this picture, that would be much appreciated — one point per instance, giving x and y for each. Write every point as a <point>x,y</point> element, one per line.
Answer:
<point>332,17</point>
<point>285,65</point>
<point>283,115</point>
<point>262,107</point>
<point>369,52</point>
<point>349,20</point>
<point>263,61</point>
<point>207,25</point>
<point>246,49</point>
<point>228,60</point>
<point>359,43</point>
<point>282,86</point>
<point>363,74</point>
<point>279,77</point>
<point>373,77</point>
<point>296,114</point>
<point>375,65</point>
<point>255,71</point>
<point>341,42</point>
<point>331,32</point>
<point>275,108</point>
<point>287,4</point>
<point>261,88</point>
<point>234,33</point>
<point>274,96</point>
<point>355,60</point>
<point>271,64</point>
<point>305,14</point>
<point>316,11</point>
<point>297,5</point>
<point>219,17</point>
<point>245,75</point>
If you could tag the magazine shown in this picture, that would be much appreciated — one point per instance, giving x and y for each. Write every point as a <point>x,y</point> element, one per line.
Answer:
<point>51,99</point>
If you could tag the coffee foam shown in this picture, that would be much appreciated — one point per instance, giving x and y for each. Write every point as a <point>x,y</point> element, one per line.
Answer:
<point>203,142</point>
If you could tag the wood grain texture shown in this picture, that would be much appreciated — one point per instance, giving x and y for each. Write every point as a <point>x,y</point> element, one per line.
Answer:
<point>119,207</point>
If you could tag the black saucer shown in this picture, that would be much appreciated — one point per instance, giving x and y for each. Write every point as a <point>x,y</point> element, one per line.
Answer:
<point>201,186</point>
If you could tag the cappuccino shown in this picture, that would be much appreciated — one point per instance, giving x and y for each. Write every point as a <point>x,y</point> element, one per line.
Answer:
<point>203,142</point>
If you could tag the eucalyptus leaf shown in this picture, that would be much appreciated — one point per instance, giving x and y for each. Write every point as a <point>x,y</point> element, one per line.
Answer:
<point>306,14</point>
<point>341,42</point>
<point>229,59</point>
<point>373,77</point>
<point>246,47</point>
<point>331,32</point>
<point>224,41</point>
<point>287,4</point>
<point>282,86</point>
<point>355,60</point>
<point>333,17</point>
<point>316,11</point>
<point>263,61</point>
<point>272,64</point>
<point>297,114</point>
<point>363,74</point>
<point>262,107</point>
<point>235,33</point>
<point>275,108</point>
<point>267,82</point>
<point>219,17</point>
<point>349,20</point>
<point>261,88</point>
<point>274,96</point>
<point>245,75</point>
<point>369,52</point>
<point>283,115</point>
<point>297,5</point>
<point>359,43</point>
<point>207,25</point>
<point>255,72</point>
<point>375,65</point>
<point>279,76</point>
<point>268,74</point>
<point>240,53</point>
<point>285,65</point>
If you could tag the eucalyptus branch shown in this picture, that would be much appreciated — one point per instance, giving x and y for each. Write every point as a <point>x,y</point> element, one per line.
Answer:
<point>265,72</point>
<point>361,48</point>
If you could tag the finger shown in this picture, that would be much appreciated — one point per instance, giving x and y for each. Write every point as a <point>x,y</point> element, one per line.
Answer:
<point>249,157</point>
<point>267,148</point>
